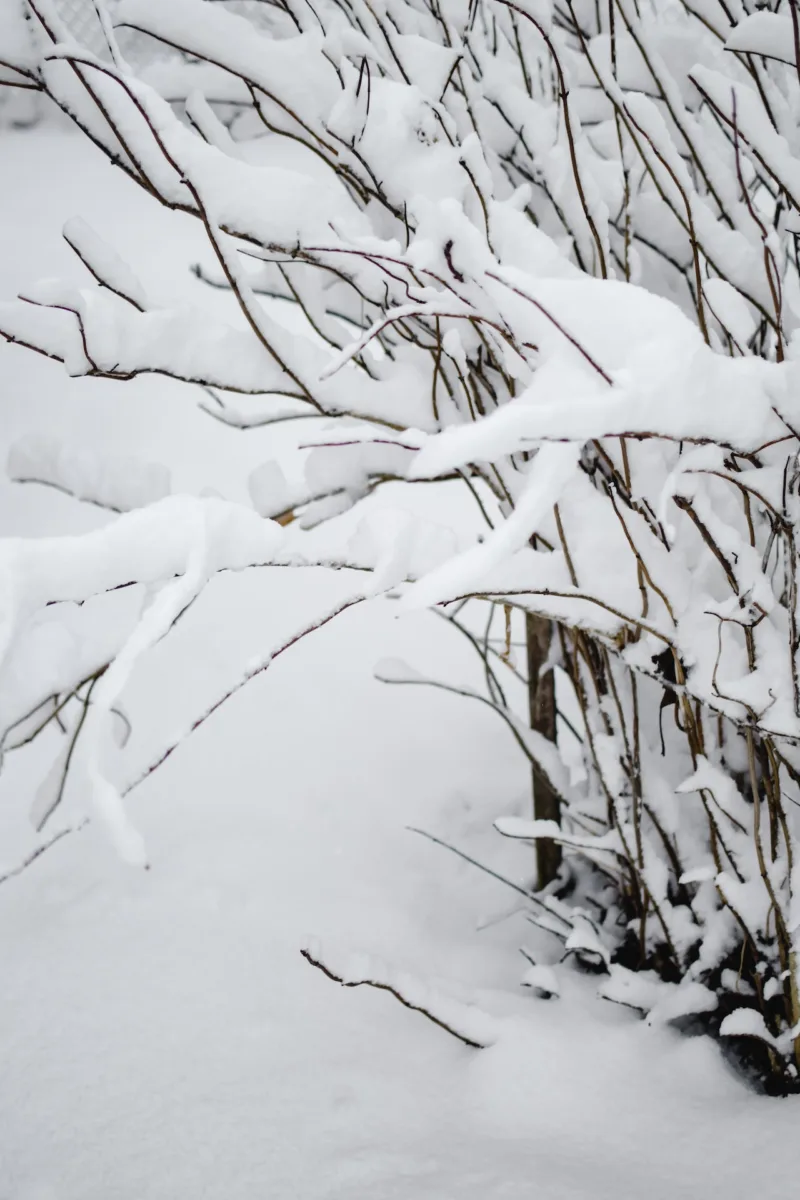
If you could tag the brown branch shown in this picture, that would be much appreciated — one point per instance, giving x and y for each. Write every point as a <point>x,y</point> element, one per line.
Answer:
<point>387,987</point>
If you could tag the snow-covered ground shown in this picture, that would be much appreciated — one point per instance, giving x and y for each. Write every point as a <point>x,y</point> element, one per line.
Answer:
<point>161,1037</point>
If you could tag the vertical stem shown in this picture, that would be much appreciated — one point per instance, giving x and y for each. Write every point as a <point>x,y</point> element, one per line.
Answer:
<point>796,33</point>
<point>542,702</point>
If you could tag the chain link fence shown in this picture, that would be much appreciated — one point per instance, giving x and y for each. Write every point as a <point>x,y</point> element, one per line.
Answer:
<point>80,16</point>
<point>82,21</point>
<point>22,109</point>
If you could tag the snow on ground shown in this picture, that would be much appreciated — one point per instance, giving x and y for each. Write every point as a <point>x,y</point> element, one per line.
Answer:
<point>160,1036</point>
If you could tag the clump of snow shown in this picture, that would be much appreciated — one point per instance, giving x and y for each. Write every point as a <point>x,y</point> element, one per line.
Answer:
<point>542,981</point>
<point>104,263</point>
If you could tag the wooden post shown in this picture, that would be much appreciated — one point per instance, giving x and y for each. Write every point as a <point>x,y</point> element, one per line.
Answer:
<point>542,702</point>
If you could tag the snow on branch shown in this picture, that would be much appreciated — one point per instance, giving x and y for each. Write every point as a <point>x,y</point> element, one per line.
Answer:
<point>465,1022</point>
<point>114,483</point>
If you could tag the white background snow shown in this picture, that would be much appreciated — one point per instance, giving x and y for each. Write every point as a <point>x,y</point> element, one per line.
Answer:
<point>160,1036</point>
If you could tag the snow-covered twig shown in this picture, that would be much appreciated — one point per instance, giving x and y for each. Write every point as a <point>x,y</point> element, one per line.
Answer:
<point>466,1023</point>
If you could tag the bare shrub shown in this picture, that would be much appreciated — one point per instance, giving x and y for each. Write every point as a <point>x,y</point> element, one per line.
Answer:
<point>545,251</point>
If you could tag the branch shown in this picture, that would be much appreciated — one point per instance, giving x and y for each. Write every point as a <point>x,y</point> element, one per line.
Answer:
<point>34,854</point>
<point>477,1029</point>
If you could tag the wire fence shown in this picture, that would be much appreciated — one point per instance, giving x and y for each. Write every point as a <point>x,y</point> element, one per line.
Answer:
<point>83,22</point>
<point>80,17</point>
<point>21,110</point>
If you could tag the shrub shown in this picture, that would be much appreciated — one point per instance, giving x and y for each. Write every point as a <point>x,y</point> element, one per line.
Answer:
<point>545,251</point>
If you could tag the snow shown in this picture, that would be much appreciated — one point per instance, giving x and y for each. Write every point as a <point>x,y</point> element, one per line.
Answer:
<point>18,56</point>
<point>746,1022</point>
<point>117,483</point>
<point>542,981</point>
<point>552,468</point>
<point>683,1001</point>
<point>764,33</point>
<point>104,263</point>
<point>466,1022</point>
<point>161,1034</point>
<point>730,309</point>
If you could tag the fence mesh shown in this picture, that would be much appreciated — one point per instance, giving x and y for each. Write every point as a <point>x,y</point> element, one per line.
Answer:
<point>80,16</point>
<point>20,109</point>
<point>82,21</point>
